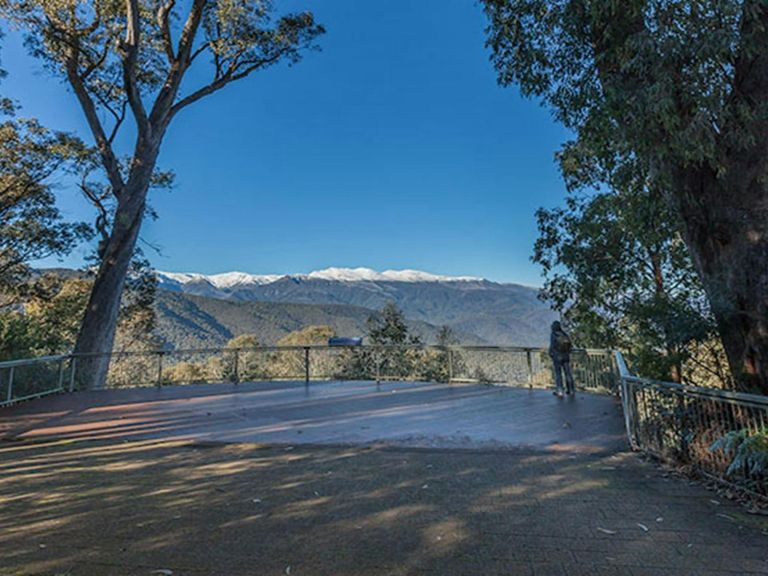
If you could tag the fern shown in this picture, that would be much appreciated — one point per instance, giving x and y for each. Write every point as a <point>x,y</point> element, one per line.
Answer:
<point>748,452</point>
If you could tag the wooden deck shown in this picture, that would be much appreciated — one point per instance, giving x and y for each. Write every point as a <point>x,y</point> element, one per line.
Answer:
<point>401,413</point>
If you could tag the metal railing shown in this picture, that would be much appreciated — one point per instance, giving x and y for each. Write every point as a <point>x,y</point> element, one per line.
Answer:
<point>32,378</point>
<point>513,366</point>
<point>593,369</point>
<point>722,434</point>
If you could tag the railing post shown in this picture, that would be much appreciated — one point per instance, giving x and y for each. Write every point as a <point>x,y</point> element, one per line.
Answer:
<point>72,367</point>
<point>529,363</point>
<point>61,374</point>
<point>450,365</point>
<point>628,400</point>
<point>306,365</point>
<point>237,366</point>
<point>10,385</point>
<point>159,369</point>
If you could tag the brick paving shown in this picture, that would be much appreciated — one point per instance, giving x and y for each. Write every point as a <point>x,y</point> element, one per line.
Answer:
<point>156,507</point>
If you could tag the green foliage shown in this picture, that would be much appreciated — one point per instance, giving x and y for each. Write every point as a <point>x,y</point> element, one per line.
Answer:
<point>433,365</point>
<point>614,257</point>
<point>31,226</point>
<point>46,318</point>
<point>748,452</point>
<point>387,329</point>
<point>616,267</point>
<point>653,78</point>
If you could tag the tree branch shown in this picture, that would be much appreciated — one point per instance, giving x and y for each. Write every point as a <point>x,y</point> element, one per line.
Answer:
<point>163,22</point>
<point>103,144</point>
<point>230,76</point>
<point>160,115</point>
<point>130,49</point>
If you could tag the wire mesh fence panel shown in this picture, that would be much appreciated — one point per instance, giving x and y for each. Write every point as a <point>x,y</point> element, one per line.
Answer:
<point>195,366</point>
<point>329,363</point>
<point>721,434</point>
<point>252,365</point>
<point>594,370</point>
<point>129,370</point>
<point>23,380</point>
<point>287,364</point>
<point>490,366</point>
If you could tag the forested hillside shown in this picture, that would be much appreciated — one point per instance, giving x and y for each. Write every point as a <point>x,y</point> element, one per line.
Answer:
<point>187,321</point>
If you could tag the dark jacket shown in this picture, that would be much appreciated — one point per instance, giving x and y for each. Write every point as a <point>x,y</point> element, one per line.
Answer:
<point>556,354</point>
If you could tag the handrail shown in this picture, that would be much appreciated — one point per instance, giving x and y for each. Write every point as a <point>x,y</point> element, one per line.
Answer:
<point>625,374</point>
<point>298,348</point>
<point>680,423</point>
<point>34,360</point>
<point>509,365</point>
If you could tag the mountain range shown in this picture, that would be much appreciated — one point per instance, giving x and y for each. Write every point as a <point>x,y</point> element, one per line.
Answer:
<point>211,308</point>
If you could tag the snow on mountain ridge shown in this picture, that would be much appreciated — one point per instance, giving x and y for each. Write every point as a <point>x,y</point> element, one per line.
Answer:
<point>230,279</point>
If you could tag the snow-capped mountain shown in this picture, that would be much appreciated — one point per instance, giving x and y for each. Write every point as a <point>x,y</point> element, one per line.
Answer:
<point>493,312</point>
<point>223,281</point>
<point>230,280</point>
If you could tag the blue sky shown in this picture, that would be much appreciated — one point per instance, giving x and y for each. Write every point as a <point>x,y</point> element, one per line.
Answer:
<point>393,147</point>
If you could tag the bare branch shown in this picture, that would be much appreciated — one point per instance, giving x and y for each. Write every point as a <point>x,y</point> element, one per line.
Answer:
<point>235,72</point>
<point>103,144</point>
<point>130,50</point>
<point>118,122</point>
<point>163,22</point>
<point>160,114</point>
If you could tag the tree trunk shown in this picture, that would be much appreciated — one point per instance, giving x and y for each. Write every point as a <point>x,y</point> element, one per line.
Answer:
<point>726,229</point>
<point>97,331</point>
<point>660,290</point>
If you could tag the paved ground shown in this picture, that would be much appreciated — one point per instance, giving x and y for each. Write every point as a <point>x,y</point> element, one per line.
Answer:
<point>406,414</point>
<point>87,492</point>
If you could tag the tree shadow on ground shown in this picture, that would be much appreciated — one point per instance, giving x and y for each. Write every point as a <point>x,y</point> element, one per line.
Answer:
<point>106,507</point>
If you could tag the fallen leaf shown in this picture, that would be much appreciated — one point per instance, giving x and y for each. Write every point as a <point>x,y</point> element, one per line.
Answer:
<point>287,569</point>
<point>659,519</point>
<point>163,571</point>
<point>606,531</point>
<point>643,526</point>
<point>726,516</point>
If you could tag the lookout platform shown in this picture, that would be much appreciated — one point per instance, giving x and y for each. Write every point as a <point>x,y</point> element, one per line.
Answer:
<point>350,479</point>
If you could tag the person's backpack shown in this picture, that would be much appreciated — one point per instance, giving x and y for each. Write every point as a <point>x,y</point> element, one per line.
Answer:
<point>563,343</point>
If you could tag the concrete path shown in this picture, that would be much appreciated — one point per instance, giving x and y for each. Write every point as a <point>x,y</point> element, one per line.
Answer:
<point>402,413</point>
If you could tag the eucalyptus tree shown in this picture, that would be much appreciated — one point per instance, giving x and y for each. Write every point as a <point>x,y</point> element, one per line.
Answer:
<point>31,225</point>
<point>615,265</point>
<point>683,88</point>
<point>128,63</point>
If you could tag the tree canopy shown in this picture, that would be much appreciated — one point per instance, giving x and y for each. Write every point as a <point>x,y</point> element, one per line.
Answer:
<point>678,91</point>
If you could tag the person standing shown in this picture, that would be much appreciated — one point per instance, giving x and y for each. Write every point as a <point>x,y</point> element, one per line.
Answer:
<point>560,346</point>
